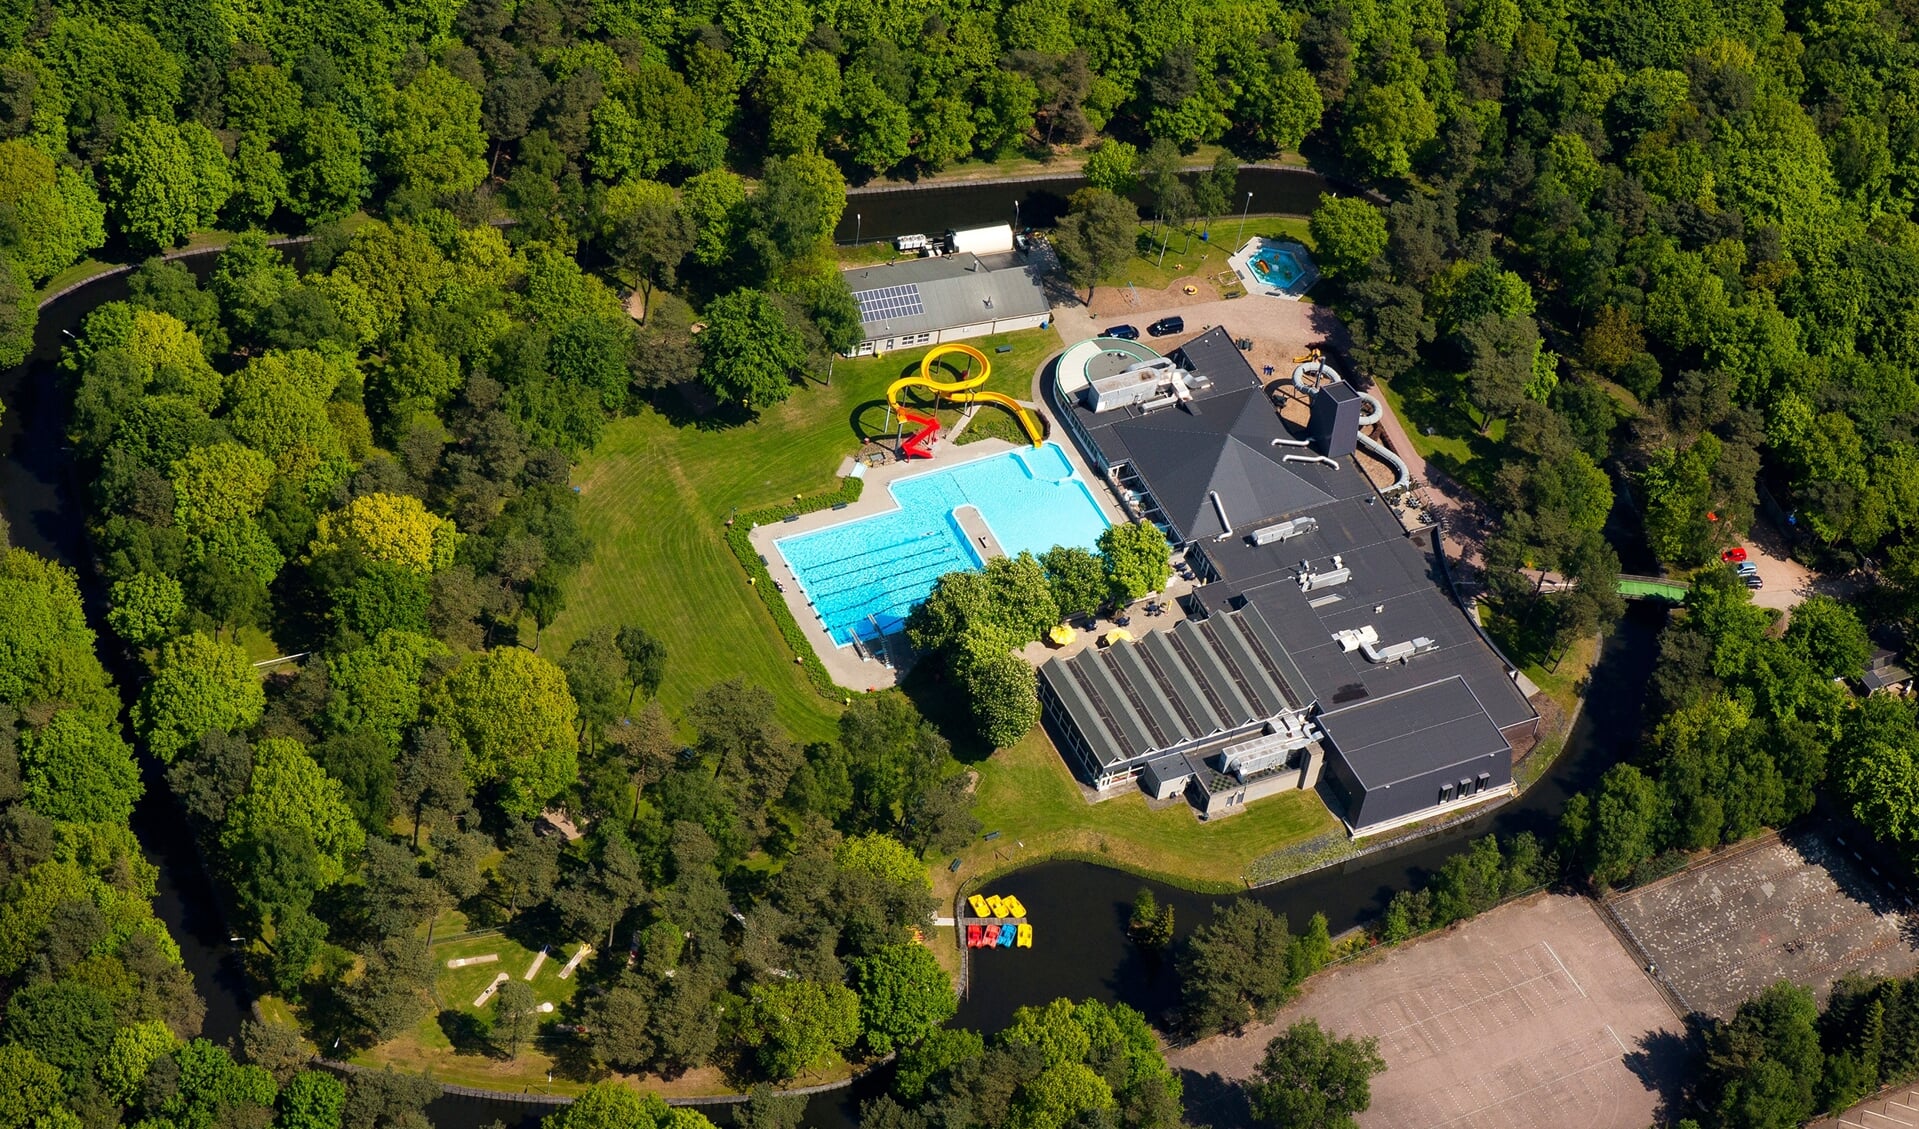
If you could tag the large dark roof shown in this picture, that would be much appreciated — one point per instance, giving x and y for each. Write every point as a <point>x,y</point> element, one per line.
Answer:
<point>1397,588</point>
<point>1223,447</point>
<point>1429,730</point>
<point>1222,441</point>
<point>1175,687</point>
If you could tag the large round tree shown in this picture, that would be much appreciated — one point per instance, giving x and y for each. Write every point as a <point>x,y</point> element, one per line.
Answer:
<point>514,719</point>
<point>749,353</point>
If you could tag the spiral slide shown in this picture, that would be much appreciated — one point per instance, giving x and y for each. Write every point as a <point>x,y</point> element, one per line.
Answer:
<point>961,391</point>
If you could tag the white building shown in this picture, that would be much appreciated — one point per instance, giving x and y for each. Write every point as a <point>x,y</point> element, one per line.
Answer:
<point>928,301</point>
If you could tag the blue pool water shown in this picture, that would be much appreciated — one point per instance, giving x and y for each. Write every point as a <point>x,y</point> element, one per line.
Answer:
<point>1278,266</point>
<point>863,576</point>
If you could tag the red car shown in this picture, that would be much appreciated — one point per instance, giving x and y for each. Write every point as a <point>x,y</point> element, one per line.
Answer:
<point>1733,555</point>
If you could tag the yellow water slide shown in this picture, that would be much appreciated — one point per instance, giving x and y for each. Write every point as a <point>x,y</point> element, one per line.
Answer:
<point>962,391</point>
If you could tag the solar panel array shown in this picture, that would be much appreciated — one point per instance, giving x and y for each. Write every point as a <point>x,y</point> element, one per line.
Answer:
<point>889,302</point>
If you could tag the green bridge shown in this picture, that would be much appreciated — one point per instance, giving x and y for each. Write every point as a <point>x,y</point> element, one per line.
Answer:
<point>1651,588</point>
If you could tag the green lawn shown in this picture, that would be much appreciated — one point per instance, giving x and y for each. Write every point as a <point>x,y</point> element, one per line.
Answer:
<point>1187,256</point>
<point>1027,794</point>
<point>656,492</point>
<point>452,1043</point>
<point>1443,427</point>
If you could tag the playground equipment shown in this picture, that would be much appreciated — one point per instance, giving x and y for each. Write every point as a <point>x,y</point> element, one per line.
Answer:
<point>961,391</point>
<point>1322,372</point>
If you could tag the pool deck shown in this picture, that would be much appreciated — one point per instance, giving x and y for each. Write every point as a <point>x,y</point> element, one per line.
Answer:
<point>844,663</point>
<point>1242,264</point>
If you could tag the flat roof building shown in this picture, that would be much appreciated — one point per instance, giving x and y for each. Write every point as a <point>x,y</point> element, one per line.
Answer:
<point>1214,701</point>
<point>947,298</point>
<point>1405,690</point>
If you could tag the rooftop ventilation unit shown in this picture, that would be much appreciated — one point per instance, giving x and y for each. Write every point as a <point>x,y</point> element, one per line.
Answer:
<point>1313,581</point>
<point>1136,384</point>
<point>1310,580</point>
<point>1285,530</point>
<point>1275,746</point>
<point>1353,638</point>
<point>1398,652</point>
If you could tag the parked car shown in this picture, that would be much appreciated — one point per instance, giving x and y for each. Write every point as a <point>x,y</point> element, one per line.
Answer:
<point>1733,555</point>
<point>1755,581</point>
<point>1124,332</point>
<point>1165,326</point>
<point>1747,568</point>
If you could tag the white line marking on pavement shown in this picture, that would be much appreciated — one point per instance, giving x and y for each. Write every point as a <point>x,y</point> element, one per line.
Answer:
<point>1563,968</point>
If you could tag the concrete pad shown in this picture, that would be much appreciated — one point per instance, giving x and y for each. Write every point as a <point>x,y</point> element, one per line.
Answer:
<point>1530,1015</point>
<point>483,997</point>
<point>584,952</point>
<point>1796,907</point>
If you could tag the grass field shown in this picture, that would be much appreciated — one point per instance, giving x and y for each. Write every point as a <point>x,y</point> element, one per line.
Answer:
<point>656,493</point>
<point>1027,794</point>
<point>1188,255</point>
<point>453,1043</point>
<point>1443,427</point>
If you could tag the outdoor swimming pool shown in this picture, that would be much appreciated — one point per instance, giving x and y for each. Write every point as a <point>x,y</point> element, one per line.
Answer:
<point>1279,267</point>
<point>863,576</point>
<point>1277,264</point>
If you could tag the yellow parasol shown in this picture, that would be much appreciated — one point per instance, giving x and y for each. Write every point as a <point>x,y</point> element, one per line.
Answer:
<point>1118,635</point>
<point>1062,635</point>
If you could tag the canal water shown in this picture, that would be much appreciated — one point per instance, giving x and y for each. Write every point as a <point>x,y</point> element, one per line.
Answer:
<point>883,213</point>
<point>1079,910</point>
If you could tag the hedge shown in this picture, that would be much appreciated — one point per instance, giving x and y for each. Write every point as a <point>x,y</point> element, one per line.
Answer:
<point>739,539</point>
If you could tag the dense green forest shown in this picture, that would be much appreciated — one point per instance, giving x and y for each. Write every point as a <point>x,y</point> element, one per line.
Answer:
<point>1620,244</point>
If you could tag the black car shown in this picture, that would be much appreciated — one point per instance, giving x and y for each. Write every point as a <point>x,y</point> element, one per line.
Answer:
<point>1165,326</point>
<point>1124,332</point>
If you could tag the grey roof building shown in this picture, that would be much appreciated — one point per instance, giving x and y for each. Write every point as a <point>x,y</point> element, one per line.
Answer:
<point>947,298</point>
<point>1413,750</point>
<point>1406,690</point>
<point>1207,700</point>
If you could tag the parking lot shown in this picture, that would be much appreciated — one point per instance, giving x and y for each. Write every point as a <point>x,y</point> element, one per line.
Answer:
<point>1802,908</point>
<point>1530,1015</point>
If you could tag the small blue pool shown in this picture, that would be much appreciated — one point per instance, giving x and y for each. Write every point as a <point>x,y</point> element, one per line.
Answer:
<point>1278,264</point>
<point>862,577</point>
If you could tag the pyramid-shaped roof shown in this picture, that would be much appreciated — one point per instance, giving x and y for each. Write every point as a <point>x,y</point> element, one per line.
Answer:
<point>1186,457</point>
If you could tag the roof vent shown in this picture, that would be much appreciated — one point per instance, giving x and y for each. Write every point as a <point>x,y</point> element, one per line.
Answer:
<point>1353,638</point>
<point>1285,530</point>
<point>1310,580</point>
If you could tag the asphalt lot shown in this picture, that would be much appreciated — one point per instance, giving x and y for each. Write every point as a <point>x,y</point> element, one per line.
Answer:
<point>1801,907</point>
<point>1529,1015</point>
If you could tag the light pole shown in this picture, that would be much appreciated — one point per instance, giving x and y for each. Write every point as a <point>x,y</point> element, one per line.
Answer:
<point>1242,221</point>
<point>1016,215</point>
<point>856,229</point>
